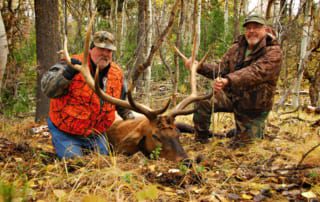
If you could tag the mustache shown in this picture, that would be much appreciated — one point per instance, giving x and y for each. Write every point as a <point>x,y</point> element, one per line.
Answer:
<point>103,59</point>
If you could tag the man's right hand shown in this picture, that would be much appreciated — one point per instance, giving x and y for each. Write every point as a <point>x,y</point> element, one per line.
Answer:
<point>70,72</point>
<point>220,83</point>
<point>75,61</point>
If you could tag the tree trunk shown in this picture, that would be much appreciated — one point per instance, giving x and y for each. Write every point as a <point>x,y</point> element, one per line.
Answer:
<point>48,43</point>
<point>116,25</point>
<point>314,87</point>
<point>179,44</point>
<point>141,42</point>
<point>236,24</point>
<point>123,27</point>
<point>306,30</point>
<point>198,26</point>
<point>243,8</point>
<point>226,18</point>
<point>4,50</point>
<point>148,48</point>
<point>187,34</point>
<point>269,10</point>
<point>261,7</point>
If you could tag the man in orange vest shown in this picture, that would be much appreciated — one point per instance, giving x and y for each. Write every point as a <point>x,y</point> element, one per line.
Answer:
<point>78,118</point>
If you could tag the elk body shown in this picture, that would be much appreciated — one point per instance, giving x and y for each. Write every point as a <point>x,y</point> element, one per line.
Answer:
<point>147,133</point>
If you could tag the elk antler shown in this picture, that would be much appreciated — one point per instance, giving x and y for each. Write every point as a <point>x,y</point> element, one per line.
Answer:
<point>179,109</point>
<point>85,71</point>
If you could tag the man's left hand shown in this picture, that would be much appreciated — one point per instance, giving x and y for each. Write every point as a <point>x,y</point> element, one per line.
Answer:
<point>220,83</point>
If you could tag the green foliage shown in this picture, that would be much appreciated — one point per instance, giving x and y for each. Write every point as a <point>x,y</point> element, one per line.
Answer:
<point>183,168</point>
<point>313,175</point>
<point>200,169</point>
<point>127,177</point>
<point>10,192</point>
<point>212,33</point>
<point>17,96</point>
<point>155,154</point>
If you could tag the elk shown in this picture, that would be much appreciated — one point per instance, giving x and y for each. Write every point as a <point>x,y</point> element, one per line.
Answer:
<point>144,134</point>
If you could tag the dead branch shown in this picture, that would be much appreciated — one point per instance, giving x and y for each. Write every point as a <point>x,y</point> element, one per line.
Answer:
<point>306,154</point>
<point>156,45</point>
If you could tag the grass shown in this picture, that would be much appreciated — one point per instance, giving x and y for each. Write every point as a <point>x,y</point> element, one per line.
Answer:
<point>31,172</point>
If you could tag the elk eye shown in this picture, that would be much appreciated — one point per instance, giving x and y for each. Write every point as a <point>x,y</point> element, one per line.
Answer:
<point>155,137</point>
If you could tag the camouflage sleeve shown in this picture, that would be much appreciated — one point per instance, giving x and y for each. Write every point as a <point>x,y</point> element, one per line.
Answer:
<point>123,112</point>
<point>266,68</point>
<point>219,68</point>
<point>53,83</point>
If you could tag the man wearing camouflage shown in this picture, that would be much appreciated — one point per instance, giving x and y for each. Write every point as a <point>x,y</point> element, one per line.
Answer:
<point>245,83</point>
<point>78,119</point>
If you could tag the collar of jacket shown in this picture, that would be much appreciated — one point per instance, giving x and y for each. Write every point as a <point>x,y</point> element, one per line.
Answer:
<point>268,40</point>
<point>102,73</point>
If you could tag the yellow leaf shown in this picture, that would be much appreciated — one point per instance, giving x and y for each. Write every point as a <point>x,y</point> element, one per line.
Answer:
<point>50,167</point>
<point>152,168</point>
<point>93,198</point>
<point>246,196</point>
<point>308,194</point>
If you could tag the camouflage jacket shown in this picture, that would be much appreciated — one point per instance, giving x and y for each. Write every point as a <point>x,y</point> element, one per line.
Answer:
<point>252,78</point>
<point>56,80</point>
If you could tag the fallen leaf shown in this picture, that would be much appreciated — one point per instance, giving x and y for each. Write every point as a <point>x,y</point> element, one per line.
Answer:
<point>308,194</point>
<point>246,196</point>
<point>59,193</point>
<point>93,198</point>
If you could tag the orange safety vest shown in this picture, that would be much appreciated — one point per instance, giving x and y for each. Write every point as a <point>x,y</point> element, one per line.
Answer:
<point>80,112</point>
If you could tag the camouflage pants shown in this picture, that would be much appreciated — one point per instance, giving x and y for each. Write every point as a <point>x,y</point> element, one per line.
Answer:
<point>251,124</point>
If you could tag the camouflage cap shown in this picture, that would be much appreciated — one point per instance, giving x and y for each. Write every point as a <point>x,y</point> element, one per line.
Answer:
<point>254,18</point>
<point>104,39</point>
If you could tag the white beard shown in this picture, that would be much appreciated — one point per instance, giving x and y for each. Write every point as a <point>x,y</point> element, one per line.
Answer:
<point>103,62</point>
<point>253,41</point>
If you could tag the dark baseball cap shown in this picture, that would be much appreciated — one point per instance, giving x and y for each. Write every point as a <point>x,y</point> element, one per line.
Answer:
<point>254,18</point>
<point>104,39</point>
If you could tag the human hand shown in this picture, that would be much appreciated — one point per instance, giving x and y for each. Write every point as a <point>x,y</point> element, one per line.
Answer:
<point>220,83</point>
<point>75,61</point>
<point>69,71</point>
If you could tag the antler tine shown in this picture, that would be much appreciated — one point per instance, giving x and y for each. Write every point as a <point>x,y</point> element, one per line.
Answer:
<point>107,97</point>
<point>151,114</point>
<point>179,110</point>
<point>188,100</point>
<point>194,66</point>
<point>183,112</point>
<point>203,59</point>
<point>87,42</point>
<point>84,69</point>
<point>180,54</point>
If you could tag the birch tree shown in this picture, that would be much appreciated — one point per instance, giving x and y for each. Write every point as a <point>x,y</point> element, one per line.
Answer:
<point>4,50</point>
<point>123,27</point>
<point>148,48</point>
<point>198,25</point>
<point>305,39</point>
<point>179,44</point>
